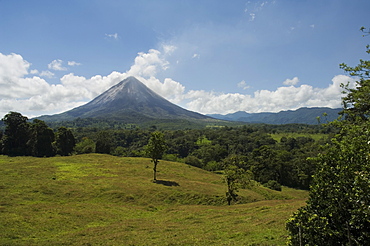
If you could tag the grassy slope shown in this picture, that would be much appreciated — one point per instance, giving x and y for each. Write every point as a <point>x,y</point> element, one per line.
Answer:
<point>105,200</point>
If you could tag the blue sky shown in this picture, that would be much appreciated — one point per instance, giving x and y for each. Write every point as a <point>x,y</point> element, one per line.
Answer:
<point>208,56</point>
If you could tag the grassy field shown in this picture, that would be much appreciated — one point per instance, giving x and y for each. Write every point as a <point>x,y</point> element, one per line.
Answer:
<point>105,200</point>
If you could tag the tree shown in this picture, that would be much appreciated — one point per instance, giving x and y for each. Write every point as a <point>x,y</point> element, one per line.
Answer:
<point>104,142</point>
<point>235,177</point>
<point>41,140</point>
<point>356,103</point>
<point>65,141</point>
<point>85,146</point>
<point>338,208</point>
<point>16,134</point>
<point>337,211</point>
<point>155,149</point>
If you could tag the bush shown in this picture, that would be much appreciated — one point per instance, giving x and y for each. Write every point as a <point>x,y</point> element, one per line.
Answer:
<point>273,185</point>
<point>213,166</point>
<point>171,157</point>
<point>193,161</point>
<point>85,146</point>
<point>119,151</point>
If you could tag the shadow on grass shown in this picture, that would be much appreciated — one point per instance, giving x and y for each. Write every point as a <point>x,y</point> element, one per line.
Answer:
<point>167,183</point>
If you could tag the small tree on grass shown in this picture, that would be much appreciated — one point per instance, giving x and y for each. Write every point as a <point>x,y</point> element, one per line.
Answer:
<point>235,177</point>
<point>155,149</point>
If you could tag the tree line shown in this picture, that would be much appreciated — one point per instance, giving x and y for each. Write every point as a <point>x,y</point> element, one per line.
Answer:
<point>23,138</point>
<point>270,162</point>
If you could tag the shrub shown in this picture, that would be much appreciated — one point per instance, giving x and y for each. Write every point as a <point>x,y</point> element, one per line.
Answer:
<point>273,185</point>
<point>193,161</point>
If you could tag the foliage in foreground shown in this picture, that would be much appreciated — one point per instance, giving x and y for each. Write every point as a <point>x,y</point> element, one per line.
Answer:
<point>338,212</point>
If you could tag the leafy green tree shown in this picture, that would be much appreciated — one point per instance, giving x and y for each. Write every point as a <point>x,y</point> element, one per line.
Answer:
<point>1,142</point>
<point>337,211</point>
<point>155,149</point>
<point>235,177</point>
<point>356,103</point>
<point>65,141</point>
<point>85,146</point>
<point>16,135</point>
<point>104,142</point>
<point>42,138</point>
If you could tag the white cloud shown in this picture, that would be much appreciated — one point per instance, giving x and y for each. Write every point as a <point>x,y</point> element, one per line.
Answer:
<point>12,67</point>
<point>252,16</point>
<point>293,81</point>
<point>114,36</point>
<point>34,96</point>
<point>147,64</point>
<point>243,84</point>
<point>283,98</point>
<point>168,49</point>
<point>47,74</point>
<point>73,63</point>
<point>195,56</point>
<point>57,65</point>
<point>34,71</point>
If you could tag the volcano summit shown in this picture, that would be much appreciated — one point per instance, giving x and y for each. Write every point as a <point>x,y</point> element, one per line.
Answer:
<point>129,100</point>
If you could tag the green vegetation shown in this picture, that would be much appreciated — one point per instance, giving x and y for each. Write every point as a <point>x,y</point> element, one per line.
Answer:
<point>97,199</point>
<point>272,163</point>
<point>23,138</point>
<point>155,149</point>
<point>315,136</point>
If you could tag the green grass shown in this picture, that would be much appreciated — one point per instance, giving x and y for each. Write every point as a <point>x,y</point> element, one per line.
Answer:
<point>105,200</point>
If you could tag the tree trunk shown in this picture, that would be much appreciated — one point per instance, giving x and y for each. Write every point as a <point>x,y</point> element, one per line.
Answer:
<point>155,171</point>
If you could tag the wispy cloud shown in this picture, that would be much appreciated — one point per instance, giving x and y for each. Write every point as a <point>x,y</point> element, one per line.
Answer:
<point>73,63</point>
<point>57,65</point>
<point>242,84</point>
<point>47,74</point>
<point>112,36</point>
<point>253,8</point>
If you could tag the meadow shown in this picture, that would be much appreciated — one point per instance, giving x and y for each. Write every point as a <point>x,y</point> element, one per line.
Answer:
<point>97,199</point>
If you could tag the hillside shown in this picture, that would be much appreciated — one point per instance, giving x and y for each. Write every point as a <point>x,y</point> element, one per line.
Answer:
<point>299,116</point>
<point>100,199</point>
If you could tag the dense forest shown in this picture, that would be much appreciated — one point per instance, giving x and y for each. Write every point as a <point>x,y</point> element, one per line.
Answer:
<point>272,161</point>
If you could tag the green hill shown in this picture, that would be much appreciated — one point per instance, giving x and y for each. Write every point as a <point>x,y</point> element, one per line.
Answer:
<point>105,200</point>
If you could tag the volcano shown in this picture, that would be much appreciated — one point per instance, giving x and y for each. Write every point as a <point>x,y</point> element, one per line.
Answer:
<point>129,100</point>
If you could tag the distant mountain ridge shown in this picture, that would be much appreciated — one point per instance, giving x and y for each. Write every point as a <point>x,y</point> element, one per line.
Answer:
<point>300,116</point>
<point>129,100</point>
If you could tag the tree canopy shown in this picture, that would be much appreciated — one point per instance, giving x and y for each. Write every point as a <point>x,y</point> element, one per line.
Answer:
<point>16,134</point>
<point>155,149</point>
